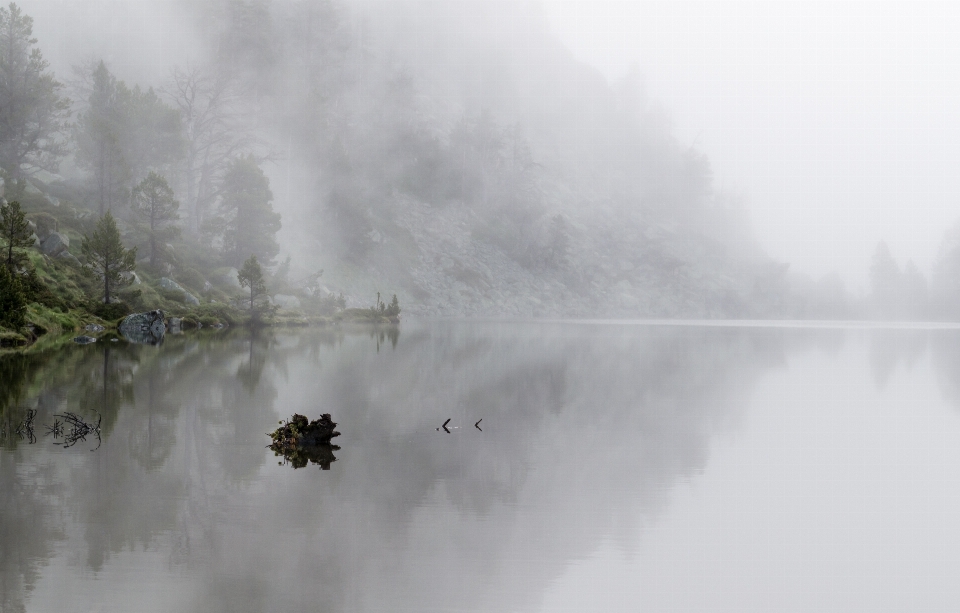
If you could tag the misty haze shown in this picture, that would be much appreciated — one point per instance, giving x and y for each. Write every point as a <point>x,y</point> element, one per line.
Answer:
<point>463,305</point>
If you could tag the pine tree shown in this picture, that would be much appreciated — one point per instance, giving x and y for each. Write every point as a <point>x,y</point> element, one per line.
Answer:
<point>251,276</point>
<point>105,252</point>
<point>32,113</point>
<point>13,303</point>
<point>15,233</point>
<point>154,203</point>
<point>122,134</point>
<point>99,135</point>
<point>250,225</point>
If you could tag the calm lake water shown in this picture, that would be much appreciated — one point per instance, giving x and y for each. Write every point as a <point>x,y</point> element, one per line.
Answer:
<point>617,467</point>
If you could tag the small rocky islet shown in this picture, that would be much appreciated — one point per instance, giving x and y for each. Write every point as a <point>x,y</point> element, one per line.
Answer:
<point>301,441</point>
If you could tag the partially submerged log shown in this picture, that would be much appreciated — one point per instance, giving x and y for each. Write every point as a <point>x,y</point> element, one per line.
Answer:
<point>301,441</point>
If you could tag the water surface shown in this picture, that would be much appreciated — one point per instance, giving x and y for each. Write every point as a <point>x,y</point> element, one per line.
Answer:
<point>617,467</point>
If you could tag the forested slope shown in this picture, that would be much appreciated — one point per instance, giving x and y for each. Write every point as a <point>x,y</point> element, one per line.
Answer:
<point>453,153</point>
<point>459,153</point>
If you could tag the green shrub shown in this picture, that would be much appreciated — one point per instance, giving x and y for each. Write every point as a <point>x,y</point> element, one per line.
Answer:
<point>133,296</point>
<point>13,302</point>
<point>223,313</point>
<point>149,298</point>
<point>114,310</point>
<point>35,290</point>
<point>191,278</point>
<point>173,295</point>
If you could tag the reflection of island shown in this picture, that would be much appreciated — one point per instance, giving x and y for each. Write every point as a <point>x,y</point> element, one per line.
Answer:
<point>299,457</point>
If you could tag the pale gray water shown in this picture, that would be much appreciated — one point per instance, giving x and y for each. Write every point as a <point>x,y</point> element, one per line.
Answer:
<point>624,467</point>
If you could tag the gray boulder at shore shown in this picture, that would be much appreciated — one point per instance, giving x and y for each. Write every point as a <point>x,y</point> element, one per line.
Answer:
<point>144,328</point>
<point>55,244</point>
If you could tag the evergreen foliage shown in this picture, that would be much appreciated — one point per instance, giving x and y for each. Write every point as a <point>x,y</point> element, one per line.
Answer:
<point>15,233</point>
<point>154,203</point>
<point>105,252</point>
<point>98,135</point>
<point>382,309</point>
<point>122,134</point>
<point>248,222</point>
<point>32,112</point>
<point>13,302</point>
<point>251,276</point>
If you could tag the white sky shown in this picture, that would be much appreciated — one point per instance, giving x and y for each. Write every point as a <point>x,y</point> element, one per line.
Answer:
<point>839,121</point>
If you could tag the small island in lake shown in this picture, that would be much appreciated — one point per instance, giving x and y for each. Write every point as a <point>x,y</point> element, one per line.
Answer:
<point>301,441</point>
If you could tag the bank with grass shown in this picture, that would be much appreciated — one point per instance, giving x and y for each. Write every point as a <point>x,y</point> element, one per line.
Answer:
<point>56,289</point>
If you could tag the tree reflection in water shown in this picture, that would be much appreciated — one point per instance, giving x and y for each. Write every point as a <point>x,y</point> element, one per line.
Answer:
<point>183,470</point>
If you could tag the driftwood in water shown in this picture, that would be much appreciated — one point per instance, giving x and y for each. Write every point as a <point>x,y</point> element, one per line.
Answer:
<point>301,441</point>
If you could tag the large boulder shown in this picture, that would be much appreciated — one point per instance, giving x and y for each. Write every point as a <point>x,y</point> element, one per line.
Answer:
<point>44,224</point>
<point>68,257</point>
<point>131,278</point>
<point>170,284</point>
<point>167,283</point>
<point>55,244</point>
<point>144,328</point>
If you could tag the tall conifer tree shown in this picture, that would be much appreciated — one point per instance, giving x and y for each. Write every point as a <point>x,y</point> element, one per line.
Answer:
<point>32,112</point>
<point>153,202</point>
<point>106,254</point>
<point>249,222</point>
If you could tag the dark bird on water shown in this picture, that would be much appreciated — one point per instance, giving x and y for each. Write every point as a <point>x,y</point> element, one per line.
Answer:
<point>477,425</point>
<point>444,426</point>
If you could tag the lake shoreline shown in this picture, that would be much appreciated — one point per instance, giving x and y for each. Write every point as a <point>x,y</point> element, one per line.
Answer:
<point>43,323</point>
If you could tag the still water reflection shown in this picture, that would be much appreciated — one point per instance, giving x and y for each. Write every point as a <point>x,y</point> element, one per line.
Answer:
<point>619,467</point>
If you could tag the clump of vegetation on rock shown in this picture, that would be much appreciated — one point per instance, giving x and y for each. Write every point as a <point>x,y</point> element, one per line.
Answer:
<point>299,432</point>
<point>301,441</point>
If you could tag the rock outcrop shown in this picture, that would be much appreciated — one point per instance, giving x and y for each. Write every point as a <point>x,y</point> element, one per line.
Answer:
<point>69,258</point>
<point>170,284</point>
<point>55,244</point>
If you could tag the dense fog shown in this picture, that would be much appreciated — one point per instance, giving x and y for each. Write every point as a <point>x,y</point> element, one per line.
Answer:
<point>521,158</point>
